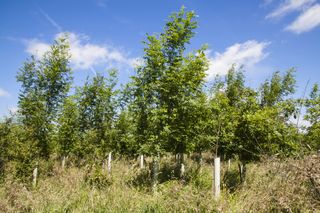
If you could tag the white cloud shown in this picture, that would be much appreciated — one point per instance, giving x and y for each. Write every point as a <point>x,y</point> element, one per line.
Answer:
<point>85,55</point>
<point>13,109</point>
<point>247,54</point>
<point>4,93</point>
<point>306,21</point>
<point>289,6</point>
<point>37,48</point>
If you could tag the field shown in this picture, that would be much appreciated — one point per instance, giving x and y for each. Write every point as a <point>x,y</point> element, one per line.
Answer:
<point>273,185</point>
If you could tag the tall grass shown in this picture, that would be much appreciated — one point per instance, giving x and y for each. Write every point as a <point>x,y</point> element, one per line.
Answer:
<point>271,185</point>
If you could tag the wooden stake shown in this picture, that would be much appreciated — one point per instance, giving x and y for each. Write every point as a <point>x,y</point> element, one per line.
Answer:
<point>200,162</point>
<point>109,163</point>
<point>35,175</point>
<point>141,162</point>
<point>242,171</point>
<point>182,170</point>
<point>216,179</point>
<point>63,163</point>
<point>155,167</point>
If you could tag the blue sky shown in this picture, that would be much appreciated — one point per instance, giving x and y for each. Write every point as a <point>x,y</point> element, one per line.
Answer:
<point>263,35</point>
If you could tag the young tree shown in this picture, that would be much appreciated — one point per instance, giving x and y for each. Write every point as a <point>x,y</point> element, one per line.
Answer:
<point>125,143</point>
<point>44,85</point>
<point>98,105</point>
<point>167,87</point>
<point>313,116</point>
<point>5,130</point>
<point>225,101</point>
<point>264,128</point>
<point>68,128</point>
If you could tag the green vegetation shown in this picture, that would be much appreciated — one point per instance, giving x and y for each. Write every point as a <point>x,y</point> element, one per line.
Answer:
<point>165,113</point>
<point>271,186</point>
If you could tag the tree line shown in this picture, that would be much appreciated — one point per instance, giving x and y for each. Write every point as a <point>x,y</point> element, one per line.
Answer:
<point>166,107</point>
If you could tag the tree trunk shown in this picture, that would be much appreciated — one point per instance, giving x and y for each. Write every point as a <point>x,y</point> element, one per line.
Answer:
<point>181,158</point>
<point>200,162</point>
<point>242,171</point>
<point>229,164</point>
<point>1,167</point>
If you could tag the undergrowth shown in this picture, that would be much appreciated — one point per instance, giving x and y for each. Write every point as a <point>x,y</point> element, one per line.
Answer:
<point>270,186</point>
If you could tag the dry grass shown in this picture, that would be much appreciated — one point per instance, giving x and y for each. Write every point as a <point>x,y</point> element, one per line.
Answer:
<point>285,186</point>
<point>272,185</point>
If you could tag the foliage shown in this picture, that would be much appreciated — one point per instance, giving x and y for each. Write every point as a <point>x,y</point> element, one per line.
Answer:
<point>167,87</point>
<point>277,88</point>
<point>44,85</point>
<point>124,142</point>
<point>266,129</point>
<point>313,116</point>
<point>68,128</point>
<point>97,103</point>
<point>98,178</point>
<point>225,103</point>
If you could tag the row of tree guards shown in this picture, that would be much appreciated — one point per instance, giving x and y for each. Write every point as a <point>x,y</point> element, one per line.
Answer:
<point>155,166</point>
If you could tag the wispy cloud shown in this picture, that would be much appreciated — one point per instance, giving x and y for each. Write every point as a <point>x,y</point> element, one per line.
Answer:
<point>102,3</point>
<point>289,6</point>
<point>4,93</point>
<point>306,21</point>
<point>50,20</point>
<point>267,2</point>
<point>85,55</point>
<point>245,54</point>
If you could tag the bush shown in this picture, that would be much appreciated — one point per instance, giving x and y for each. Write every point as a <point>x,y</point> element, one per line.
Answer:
<point>97,177</point>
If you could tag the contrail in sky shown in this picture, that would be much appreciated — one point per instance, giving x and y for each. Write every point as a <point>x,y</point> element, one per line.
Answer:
<point>50,20</point>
